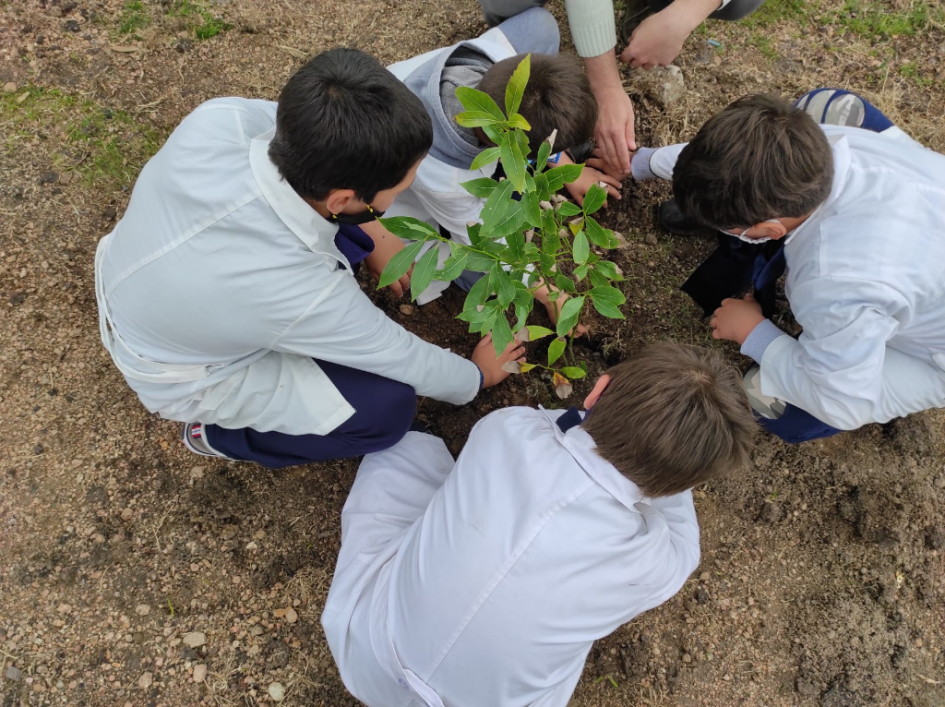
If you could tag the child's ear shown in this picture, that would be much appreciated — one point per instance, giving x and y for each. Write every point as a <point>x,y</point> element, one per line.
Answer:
<point>592,398</point>
<point>770,229</point>
<point>339,199</point>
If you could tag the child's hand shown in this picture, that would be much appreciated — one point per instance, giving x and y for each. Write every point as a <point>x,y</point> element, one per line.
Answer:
<point>589,177</point>
<point>736,319</point>
<point>554,308</point>
<point>598,162</point>
<point>386,246</point>
<point>490,365</point>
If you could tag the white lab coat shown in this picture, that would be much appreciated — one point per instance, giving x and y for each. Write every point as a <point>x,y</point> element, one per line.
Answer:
<point>487,582</point>
<point>220,284</point>
<point>866,281</point>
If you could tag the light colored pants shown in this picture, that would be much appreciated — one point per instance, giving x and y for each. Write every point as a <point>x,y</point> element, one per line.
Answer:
<point>496,11</point>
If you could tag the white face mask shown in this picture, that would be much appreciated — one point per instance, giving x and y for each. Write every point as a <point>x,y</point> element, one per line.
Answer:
<point>754,241</point>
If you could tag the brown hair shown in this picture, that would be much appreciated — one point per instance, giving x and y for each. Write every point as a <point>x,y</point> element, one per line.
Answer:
<point>557,96</point>
<point>673,417</point>
<point>760,158</point>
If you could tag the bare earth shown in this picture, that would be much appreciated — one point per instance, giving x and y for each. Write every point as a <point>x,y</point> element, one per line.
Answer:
<point>822,581</point>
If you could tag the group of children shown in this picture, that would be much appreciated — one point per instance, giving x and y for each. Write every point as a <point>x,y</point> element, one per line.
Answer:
<point>228,301</point>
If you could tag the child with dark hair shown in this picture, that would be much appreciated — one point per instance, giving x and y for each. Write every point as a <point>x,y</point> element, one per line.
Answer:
<point>557,98</point>
<point>856,213</point>
<point>486,581</point>
<point>226,292</point>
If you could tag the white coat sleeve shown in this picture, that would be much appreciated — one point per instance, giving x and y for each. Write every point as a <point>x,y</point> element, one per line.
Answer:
<point>346,328</point>
<point>680,552</point>
<point>835,370</point>
<point>649,162</point>
<point>450,209</point>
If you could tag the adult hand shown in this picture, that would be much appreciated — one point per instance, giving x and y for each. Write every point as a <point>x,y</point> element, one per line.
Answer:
<point>491,365</point>
<point>614,131</point>
<point>386,246</point>
<point>736,319</point>
<point>658,40</point>
<point>598,162</point>
<point>589,177</point>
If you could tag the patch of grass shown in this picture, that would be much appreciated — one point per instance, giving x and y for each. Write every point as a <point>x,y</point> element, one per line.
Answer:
<point>134,17</point>
<point>103,146</point>
<point>765,46</point>
<point>778,11</point>
<point>874,18</point>
<point>204,23</point>
<point>910,70</point>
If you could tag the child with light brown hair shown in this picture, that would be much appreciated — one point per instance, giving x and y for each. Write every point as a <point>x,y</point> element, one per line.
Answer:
<point>485,581</point>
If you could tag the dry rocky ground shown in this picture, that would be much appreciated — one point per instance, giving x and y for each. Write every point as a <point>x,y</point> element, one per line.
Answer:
<point>132,573</point>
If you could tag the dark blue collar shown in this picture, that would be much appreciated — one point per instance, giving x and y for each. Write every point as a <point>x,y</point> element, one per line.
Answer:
<point>572,418</point>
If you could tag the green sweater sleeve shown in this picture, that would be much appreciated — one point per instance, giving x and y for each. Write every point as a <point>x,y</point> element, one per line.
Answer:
<point>592,26</point>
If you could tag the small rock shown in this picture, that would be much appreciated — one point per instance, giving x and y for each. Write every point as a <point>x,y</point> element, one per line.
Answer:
<point>142,610</point>
<point>110,213</point>
<point>770,512</point>
<point>49,178</point>
<point>127,514</point>
<point>291,615</point>
<point>194,639</point>
<point>183,45</point>
<point>686,658</point>
<point>200,672</point>
<point>37,449</point>
<point>935,539</point>
<point>407,309</point>
<point>9,87</point>
<point>64,609</point>
<point>71,26</point>
<point>13,673</point>
<point>251,546</point>
<point>940,482</point>
<point>65,178</point>
<point>68,7</point>
<point>650,239</point>
<point>805,688</point>
<point>22,97</point>
<point>276,691</point>
<point>144,682</point>
<point>667,85</point>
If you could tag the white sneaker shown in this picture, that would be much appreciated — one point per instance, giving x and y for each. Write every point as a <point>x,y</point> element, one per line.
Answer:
<point>764,405</point>
<point>193,439</point>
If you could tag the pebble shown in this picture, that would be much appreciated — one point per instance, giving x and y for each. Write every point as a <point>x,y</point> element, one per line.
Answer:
<point>276,691</point>
<point>38,449</point>
<point>194,639</point>
<point>13,673</point>
<point>200,672</point>
<point>64,609</point>
<point>144,682</point>
<point>9,87</point>
<point>650,239</point>
<point>142,610</point>
<point>406,309</point>
<point>291,615</point>
<point>940,482</point>
<point>127,514</point>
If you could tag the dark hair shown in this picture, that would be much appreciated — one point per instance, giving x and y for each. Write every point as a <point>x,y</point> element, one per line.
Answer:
<point>758,159</point>
<point>557,96</point>
<point>672,417</point>
<point>346,122</point>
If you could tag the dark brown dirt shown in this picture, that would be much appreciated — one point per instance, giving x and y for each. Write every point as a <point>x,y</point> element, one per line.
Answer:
<point>822,581</point>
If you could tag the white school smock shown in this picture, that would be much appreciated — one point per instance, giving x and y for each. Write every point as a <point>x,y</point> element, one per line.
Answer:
<point>220,284</point>
<point>866,281</point>
<point>487,582</point>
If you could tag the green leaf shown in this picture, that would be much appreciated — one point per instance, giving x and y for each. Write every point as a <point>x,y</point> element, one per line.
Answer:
<point>423,272</point>
<point>501,334</point>
<point>608,270</point>
<point>538,332</point>
<point>580,272</point>
<point>476,119</point>
<point>517,121</point>
<point>494,132</point>
<point>608,294</point>
<point>572,372</point>
<point>532,210</point>
<point>478,294</point>
<point>453,267</point>
<point>564,174</point>
<point>581,248</point>
<point>515,242</point>
<point>564,283</point>
<point>572,308</point>
<point>505,290</point>
<point>594,199</point>
<point>555,349</point>
<point>410,228</point>
<point>515,88</point>
<point>544,152</point>
<point>472,230</point>
<point>477,101</point>
<point>495,207</point>
<point>477,262</point>
<point>513,161</point>
<point>608,309</point>
<point>568,209</point>
<point>526,367</point>
<point>599,236</point>
<point>487,156</point>
<point>399,264</point>
<point>481,188</point>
